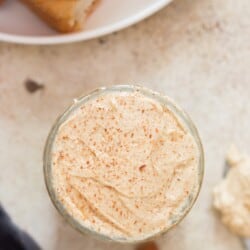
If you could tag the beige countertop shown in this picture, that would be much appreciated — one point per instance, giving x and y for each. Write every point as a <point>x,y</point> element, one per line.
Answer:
<point>195,51</point>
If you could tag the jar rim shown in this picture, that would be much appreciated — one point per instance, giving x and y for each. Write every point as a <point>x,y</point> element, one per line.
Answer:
<point>47,166</point>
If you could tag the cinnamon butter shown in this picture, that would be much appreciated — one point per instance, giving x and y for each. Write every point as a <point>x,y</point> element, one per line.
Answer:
<point>232,194</point>
<point>124,165</point>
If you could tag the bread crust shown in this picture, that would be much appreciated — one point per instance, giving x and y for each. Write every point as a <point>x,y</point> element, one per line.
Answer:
<point>60,14</point>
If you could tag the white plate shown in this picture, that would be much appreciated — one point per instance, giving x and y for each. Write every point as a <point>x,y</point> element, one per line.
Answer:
<point>19,25</point>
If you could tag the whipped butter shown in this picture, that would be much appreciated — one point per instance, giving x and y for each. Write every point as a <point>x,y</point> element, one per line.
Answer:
<point>232,195</point>
<point>124,165</point>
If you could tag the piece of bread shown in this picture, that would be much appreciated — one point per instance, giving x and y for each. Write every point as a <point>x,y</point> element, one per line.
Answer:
<point>63,15</point>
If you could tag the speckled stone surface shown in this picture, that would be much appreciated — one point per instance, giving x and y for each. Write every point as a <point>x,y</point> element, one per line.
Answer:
<point>195,51</point>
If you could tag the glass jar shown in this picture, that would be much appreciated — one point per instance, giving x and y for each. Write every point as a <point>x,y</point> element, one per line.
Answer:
<point>163,100</point>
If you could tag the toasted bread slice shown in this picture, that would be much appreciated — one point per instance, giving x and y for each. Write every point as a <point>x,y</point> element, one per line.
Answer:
<point>63,15</point>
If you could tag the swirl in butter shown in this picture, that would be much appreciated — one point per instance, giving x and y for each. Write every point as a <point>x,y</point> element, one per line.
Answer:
<point>124,165</point>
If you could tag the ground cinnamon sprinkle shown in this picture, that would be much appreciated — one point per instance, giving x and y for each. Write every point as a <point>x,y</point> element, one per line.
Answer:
<point>117,162</point>
<point>142,167</point>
